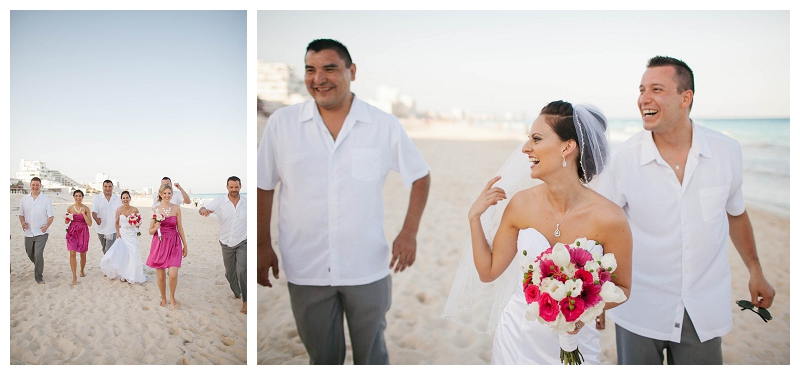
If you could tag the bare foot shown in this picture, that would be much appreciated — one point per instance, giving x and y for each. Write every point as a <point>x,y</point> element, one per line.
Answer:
<point>74,281</point>
<point>83,274</point>
<point>164,303</point>
<point>244,308</point>
<point>237,297</point>
<point>175,304</point>
<point>41,282</point>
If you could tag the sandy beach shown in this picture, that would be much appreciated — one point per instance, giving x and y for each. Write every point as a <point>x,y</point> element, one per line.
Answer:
<point>462,160</point>
<point>103,321</point>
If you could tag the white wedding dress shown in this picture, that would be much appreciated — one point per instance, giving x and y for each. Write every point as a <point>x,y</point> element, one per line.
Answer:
<point>122,260</point>
<point>519,341</point>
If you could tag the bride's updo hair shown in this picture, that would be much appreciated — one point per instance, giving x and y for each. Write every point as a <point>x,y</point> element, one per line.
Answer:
<point>125,192</point>
<point>560,116</point>
<point>162,189</point>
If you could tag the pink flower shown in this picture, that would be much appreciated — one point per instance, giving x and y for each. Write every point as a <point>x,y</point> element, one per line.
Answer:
<point>548,268</point>
<point>604,275</point>
<point>572,308</point>
<point>590,294</point>
<point>579,256</point>
<point>532,293</point>
<point>548,307</point>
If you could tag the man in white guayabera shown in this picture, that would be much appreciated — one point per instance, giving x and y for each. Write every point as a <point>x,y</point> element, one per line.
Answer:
<point>104,210</point>
<point>36,216</point>
<point>331,155</point>
<point>231,211</point>
<point>681,187</point>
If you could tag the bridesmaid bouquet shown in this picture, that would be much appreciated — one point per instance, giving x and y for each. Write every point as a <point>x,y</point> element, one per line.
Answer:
<point>566,284</point>
<point>159,217</point>
<point>135,220</point>
<point>67,220</point>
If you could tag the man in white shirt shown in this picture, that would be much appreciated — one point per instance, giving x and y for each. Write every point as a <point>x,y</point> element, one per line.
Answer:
<point>680,185</point>
<point>332,155</point>
<point>104,211</point>
<point>36,216</point>
<point>179,199</point>
<point>231,210</point>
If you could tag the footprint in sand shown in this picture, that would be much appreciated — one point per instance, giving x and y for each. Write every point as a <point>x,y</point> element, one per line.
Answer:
<point>227,341</point>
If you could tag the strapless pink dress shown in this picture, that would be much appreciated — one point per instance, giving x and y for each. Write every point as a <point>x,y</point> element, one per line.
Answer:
<point>78,234</point>
<point>166,252</point>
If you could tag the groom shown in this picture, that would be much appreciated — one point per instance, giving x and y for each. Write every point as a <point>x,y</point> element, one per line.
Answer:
<point>331,155</point>
<point>681,187</point>
<point>104,208</point>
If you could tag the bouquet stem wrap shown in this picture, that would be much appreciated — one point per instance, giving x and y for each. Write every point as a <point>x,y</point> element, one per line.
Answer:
<point>570,355</point>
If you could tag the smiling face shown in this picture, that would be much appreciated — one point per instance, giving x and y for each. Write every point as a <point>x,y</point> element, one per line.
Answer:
<point>233,188</point>
<point>661,105</point>
<point>327,79</point>
<point>165,194</point>
<point>36,187</point>
<point>107,188</point>
<point>78,197</point>
<point>126,199</point>
<point>544,148</point>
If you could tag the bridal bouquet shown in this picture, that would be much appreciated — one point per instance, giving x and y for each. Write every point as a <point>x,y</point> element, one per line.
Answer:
<point>67,220</point>
<point>566,284</point>
<point>159,217</point>
<point>135,220</point>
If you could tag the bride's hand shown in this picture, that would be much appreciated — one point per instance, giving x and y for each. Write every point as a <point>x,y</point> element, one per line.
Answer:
<point>489,197</point>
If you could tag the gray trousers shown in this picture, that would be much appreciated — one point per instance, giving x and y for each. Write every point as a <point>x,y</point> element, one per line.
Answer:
<point>633,349</point>
<point>235,261</point>
<point>318,313</point>
<point>106,240</point>
<point>34,247</point>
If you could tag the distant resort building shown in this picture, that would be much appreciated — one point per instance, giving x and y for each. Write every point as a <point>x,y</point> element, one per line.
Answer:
<point>52,180</point>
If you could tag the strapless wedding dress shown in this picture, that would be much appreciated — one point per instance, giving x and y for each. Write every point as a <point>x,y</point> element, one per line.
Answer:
<point>519,341</point>
<point>122,260</point>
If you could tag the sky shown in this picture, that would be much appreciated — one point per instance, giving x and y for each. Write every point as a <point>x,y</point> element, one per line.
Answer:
<point>517,61</point>
<point>136,95</point>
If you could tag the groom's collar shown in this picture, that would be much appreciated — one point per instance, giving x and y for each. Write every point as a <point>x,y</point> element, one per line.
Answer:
<point>699,145</point>
<point>358,111</point>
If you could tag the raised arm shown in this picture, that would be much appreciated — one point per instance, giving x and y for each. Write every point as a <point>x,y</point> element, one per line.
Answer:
<point>404,247</point>
<point>266,257</point>
<point>490,262</point>
<point>186,199</point>
<point>741,232</point>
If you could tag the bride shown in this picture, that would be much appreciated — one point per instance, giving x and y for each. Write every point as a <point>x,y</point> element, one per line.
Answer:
<point>565,149</point>
<point>122,260</point>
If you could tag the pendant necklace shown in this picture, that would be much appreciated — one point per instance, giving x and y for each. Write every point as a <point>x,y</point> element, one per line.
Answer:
<point>557,233</point>
<point>677,165</point>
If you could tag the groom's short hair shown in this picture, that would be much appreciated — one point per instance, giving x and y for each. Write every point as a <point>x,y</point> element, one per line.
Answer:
<point>166,178</point>
<point>108,181</point>
<point>233,178</point>
<point>683,74</point>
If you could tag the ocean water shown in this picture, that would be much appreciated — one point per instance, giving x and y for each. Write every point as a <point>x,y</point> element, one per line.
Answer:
<point>765,155</point>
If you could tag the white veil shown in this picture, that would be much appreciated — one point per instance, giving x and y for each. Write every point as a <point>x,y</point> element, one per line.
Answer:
<point>478,305</point>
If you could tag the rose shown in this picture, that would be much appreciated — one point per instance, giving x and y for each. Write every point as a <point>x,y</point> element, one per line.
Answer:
<point>572,308</point>
<point>548,308</point>
<point>532,293</point>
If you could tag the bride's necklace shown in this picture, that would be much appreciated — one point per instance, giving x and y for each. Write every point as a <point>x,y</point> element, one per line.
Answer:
<point>557,233</point>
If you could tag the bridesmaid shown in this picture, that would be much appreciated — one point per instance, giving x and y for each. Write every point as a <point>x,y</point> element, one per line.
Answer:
<point>166,251</point>
<point>78,234</point>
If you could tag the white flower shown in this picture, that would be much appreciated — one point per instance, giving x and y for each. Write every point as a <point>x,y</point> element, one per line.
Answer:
<point>574,287</point>
<point>581,242</point>
<point>560,255</point>
<point>612,293</point>
<point>555,288</point>
<point>592,266</point>
<point>608,262</point>
<point>532,311</point>
<point>591,313</point>
<point>527,263</point>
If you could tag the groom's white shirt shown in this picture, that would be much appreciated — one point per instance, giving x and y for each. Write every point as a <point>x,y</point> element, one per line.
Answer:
<point>232,219</point>
<point>330,201</point>
<point>680,233</point>
<point>106,209</point>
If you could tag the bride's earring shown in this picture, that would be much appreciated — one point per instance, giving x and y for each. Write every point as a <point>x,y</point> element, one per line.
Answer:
<point>563,161</point>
